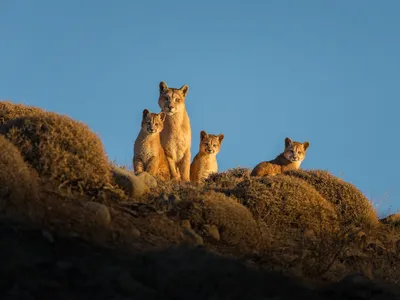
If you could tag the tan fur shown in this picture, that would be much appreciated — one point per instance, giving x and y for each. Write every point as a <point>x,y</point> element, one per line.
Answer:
<point>290,159</point>
<point>176,137</point>
<point>205,162</point>
<point>149,156</point>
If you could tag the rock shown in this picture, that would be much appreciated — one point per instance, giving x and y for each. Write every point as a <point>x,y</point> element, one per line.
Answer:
<point>148,179</point>
<point>48,236</point>
<point>100,212</point>
<point>192,236</point>
<point>135,232</point>
<point>212,231</point>
<point>131,184</point>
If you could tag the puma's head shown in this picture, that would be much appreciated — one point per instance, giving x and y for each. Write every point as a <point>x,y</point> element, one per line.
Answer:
<point>153,123</point>
<point>295,151</point>
<point>210,143</point>
<point>172,100</point>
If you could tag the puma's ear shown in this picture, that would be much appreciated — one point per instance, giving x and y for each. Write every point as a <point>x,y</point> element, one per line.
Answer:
<point>163,87</point>
<point>145,113</point>
<point>162,116</point>
<point>287,142</point>
<point>203,134</point>
<point>220,137</point>
<point>184,89</point>
<point>306,145</point>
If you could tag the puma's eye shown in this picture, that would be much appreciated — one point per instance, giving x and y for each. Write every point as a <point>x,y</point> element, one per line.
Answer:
<point>215,145</point>
<point>177,100</point>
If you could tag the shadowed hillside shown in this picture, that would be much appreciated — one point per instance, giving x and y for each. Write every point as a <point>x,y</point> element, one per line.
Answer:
<point>74,224</point>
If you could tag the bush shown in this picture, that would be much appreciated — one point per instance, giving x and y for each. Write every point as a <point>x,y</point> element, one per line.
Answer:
<point>352,206</point>
<point>228,179</point>
<point>286,202</point>
<point>60,149</point>
<point>9,111</point>
<point>18,183</point>
<point>235,223</point>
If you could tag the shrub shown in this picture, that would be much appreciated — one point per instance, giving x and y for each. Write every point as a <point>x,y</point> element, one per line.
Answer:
<point>228,179</point>
<point>352,206</point>
<point>18,183</point>
<point>286,202</point>
<point>235,223</point>
<point>60,149</point>
<point>9,111</point>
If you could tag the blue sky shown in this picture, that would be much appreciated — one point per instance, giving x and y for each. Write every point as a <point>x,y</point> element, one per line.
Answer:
<point>258,71</point>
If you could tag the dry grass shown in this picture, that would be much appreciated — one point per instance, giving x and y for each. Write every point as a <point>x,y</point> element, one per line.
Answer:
<point>297,229</point>
<point>228,179</point>
<point>235,223</point>
<point>286,201</point>
<point>10,110</point>
<point>18,183</point>
<point>62,150</point>
<point>352,206</point>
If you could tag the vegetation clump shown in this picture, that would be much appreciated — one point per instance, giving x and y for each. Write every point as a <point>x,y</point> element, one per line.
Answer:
<point>228,179</point>
<point>18,183</point>
<point>10,110</point>
<point>60,149</point>
<point>286,202</point>
<point>236,225</point>
<point>352,206</point>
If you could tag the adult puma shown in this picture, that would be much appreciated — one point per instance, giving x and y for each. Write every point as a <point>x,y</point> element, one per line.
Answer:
<point>176,136</point>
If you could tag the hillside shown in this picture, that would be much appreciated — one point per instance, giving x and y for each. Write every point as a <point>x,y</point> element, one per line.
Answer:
<point>74,224</point>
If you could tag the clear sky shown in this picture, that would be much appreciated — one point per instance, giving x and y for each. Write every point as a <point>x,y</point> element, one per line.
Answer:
<point>258,71</point>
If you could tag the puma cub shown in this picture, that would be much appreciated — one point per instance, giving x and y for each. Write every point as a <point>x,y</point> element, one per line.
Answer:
<point>149,156</point>
<point>176,138</point>
<point>205,162</point>
<point>290,159</point>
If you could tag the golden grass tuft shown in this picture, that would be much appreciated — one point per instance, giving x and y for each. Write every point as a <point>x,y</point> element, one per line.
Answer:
<point>60,149</point>
<point>235,222</point>
<point>228,179</point>
<point>18,183</point>
<point>352,206</point>
<point>283,201</point>
<point>204,208</point>
<point>10,110</point>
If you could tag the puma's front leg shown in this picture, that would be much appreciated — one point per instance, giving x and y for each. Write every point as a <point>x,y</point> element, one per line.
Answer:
<point>172,168</point>
<point>138,166</point>
<point>184,166</point>
<point>152,167</point>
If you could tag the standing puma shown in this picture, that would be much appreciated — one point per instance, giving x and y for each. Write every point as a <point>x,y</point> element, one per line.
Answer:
<point>177,134</point>
<point>290,159</point>
<point>205,162</point>
<point>149,156</point>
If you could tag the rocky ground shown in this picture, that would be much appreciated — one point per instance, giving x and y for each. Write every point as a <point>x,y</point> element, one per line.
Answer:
<point>38,264</point>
